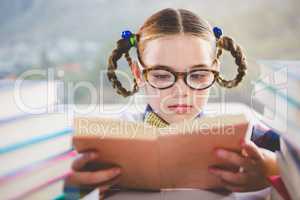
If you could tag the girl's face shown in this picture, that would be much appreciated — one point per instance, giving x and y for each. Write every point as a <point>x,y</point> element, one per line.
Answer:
<point>180,53</point>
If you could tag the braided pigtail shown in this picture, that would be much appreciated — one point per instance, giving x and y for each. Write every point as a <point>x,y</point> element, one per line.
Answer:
<point>123,47</point>
<point>228,44</point>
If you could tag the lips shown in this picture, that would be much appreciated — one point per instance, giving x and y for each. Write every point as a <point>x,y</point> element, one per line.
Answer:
<point>180,108</point>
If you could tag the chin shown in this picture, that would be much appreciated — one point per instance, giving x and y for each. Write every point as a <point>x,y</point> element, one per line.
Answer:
<point>181,117</point>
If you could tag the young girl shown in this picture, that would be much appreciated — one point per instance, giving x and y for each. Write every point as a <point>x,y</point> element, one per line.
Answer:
<point>178,62</point>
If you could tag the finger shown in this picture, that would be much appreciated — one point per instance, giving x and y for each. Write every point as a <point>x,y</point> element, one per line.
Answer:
<point>83,160</point>
<point>232,187</point>
<point>231,157</point>
<point>233,178</point>
<point>98,177</point>
<point>107,189</point>
<point>109,184</point>
<point>252,150</point>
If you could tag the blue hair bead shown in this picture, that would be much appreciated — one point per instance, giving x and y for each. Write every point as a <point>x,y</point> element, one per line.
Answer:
<point>218,32</point>
<point>126,34</point>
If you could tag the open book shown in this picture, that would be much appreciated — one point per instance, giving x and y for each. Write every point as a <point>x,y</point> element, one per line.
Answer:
<point>154,158</point>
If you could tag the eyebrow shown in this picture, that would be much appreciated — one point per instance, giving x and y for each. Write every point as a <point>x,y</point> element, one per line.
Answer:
<point>200,66</point>
<point>192,67</point>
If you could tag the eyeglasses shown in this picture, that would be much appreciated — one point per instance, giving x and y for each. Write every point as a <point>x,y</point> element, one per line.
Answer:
<point>163,77</point>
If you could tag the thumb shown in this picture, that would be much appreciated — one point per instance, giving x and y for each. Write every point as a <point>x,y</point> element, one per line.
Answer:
<point>251,150</point>
<point>82,160</point>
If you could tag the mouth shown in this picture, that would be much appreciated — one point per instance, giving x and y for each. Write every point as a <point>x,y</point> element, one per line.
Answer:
<point>180,108</point>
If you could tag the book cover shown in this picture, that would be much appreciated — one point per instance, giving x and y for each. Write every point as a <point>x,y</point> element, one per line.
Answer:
<point>154,158</point>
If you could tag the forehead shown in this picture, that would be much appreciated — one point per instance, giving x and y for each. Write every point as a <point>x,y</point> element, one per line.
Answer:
<point>178,51</point>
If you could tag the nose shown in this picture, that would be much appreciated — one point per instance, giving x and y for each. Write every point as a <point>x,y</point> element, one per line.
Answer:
<point>180,89</point>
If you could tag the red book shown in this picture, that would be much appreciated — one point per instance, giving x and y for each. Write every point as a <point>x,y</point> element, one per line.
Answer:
<point>278,184</point>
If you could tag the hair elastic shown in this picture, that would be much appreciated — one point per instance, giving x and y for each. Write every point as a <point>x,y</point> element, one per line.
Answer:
<point>128,35</point>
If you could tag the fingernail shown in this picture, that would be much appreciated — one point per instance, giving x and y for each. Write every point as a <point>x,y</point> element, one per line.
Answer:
<point>92,155</point>
<point>211,170</point>
<point>221,153</point>
<point>116,170</point>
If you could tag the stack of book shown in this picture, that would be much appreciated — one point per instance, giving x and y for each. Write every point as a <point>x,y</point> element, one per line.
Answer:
<point>35,149</point>
<point>278,91</point>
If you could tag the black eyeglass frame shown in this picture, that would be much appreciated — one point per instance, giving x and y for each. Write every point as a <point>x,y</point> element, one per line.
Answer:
<point>146,70</point>
<point>177,75</point>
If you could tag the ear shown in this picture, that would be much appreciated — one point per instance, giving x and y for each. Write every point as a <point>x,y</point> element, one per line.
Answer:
<point>137,73</point>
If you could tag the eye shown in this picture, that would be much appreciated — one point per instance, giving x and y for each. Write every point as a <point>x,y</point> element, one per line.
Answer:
<point>200,76</point>
<point>197,76</point>
<point>162,76</point>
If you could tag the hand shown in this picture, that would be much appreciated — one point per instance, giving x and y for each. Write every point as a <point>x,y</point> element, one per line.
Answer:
<point>88,180</point>
<point>257,164</point>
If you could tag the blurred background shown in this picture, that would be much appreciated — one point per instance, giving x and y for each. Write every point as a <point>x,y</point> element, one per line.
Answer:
<point>77,37</point>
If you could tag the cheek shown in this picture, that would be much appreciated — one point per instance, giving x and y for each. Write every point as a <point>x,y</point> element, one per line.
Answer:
<point>158,99</point>
<point>200,98</point>
<point>152,95</point>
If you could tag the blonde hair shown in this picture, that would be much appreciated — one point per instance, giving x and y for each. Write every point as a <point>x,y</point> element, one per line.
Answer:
<point>169,22</point>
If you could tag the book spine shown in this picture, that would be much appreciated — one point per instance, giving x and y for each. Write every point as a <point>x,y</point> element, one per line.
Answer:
<point>34,140</point>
